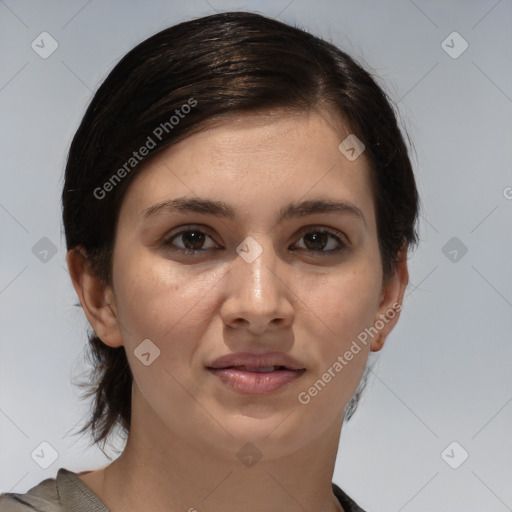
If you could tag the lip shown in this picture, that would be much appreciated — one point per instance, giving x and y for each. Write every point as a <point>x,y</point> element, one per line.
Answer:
<point>250,359</point>
<point>256,383</point>
<point>248,381</point>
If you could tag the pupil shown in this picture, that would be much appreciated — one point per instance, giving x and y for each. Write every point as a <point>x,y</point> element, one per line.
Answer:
<point>196,238</point>
<point>318,238</point>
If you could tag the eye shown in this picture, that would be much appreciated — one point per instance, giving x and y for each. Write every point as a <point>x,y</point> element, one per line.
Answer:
<point>193,240</point>
<point>315,241</point>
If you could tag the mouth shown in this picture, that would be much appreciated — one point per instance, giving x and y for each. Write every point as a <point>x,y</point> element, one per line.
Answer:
<point>256,380</point>
<point>259,369</point>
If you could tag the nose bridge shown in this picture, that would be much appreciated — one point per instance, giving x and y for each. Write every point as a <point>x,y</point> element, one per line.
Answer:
<point>254,265</point>
<point>256,296</point>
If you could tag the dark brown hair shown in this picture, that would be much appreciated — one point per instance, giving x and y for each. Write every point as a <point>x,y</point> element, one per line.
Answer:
<point>220,65</point>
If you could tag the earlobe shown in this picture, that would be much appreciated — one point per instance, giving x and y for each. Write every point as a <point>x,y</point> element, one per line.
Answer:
<point>96,297</point>
<point>391,302</point>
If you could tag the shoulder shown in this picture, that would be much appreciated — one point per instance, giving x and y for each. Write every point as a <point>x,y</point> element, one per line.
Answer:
<point>348,504</point>
<point>43,497</point>
<point>64,493</point>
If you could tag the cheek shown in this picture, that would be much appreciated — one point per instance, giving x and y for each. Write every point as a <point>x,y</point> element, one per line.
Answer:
<point>157,301</point>
<point>333,381</point>
<point>343,306</point>
<point>343,302</point>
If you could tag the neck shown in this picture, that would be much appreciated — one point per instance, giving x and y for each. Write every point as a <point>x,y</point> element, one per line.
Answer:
<point>158,471</point>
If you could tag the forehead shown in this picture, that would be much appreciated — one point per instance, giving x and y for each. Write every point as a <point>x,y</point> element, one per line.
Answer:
<point>256,160</point>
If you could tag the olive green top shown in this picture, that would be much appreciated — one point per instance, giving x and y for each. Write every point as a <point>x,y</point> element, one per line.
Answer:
<point>69,493</point>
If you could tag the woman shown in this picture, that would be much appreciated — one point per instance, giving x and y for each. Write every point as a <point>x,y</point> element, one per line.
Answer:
<point>238,207</point>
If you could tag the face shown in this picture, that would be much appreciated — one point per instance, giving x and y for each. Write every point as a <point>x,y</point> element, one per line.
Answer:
<point>256,275</point>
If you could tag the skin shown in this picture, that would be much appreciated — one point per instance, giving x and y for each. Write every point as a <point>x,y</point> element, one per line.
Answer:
<point>187,426</point>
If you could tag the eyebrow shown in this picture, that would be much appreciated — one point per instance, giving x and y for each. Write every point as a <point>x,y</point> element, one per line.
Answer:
<point>222,209</point>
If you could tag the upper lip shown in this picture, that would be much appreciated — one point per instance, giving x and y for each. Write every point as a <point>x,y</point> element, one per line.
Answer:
<point>263,360</point>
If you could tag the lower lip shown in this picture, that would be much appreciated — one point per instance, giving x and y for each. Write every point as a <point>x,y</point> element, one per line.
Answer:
<point>256,383</point>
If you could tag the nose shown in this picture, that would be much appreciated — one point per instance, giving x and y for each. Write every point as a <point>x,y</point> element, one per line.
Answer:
<point>258,294</point>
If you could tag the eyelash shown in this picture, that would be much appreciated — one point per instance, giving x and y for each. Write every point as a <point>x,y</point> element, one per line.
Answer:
<point>334,234</point>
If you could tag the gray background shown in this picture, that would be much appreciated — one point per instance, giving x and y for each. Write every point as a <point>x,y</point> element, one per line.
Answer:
<point>444,374</point>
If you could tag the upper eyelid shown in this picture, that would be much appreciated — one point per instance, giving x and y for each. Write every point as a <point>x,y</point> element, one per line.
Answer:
<point>189,227</point>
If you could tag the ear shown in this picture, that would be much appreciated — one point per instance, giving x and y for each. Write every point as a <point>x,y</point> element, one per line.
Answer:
<point>391,302</point>
<point>96,297</point>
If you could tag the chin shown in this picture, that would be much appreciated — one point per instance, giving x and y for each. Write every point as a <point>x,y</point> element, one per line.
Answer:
<point>272,432</point>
